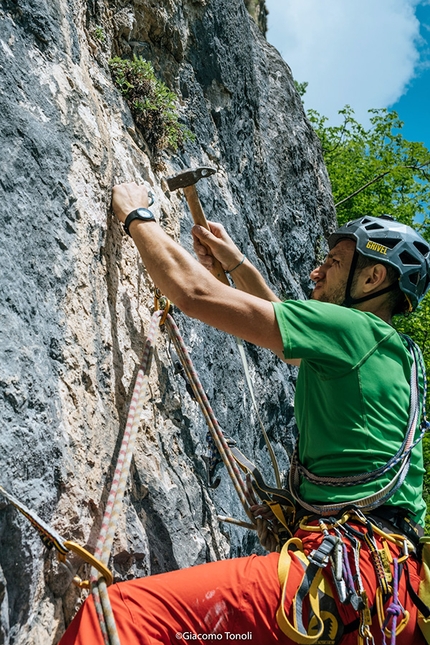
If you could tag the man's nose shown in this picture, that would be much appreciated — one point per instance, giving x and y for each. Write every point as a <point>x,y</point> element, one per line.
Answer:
<point>317,274</point>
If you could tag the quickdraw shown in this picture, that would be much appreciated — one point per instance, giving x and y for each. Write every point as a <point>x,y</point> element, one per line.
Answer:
<point>349,585</point>
<point>52,539</point>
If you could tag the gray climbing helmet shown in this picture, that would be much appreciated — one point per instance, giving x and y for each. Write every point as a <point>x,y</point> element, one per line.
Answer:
<point>384,239</point>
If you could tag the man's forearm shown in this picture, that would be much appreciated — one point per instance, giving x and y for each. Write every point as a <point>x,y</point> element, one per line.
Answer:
<point>216,243</point>
<point>247,278</point>
<point>190,286</point>
<point>199,295</point>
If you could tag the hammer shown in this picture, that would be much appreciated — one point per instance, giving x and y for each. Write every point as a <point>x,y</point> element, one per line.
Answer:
<point>187,180</point>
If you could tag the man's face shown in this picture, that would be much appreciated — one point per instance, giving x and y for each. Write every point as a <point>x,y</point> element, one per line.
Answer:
<point>332,276</point>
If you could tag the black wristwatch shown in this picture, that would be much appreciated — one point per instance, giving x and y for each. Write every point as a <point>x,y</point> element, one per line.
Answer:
<point>140,213</point>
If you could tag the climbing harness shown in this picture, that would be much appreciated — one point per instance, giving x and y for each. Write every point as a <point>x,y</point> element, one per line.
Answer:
<point>343,540</point>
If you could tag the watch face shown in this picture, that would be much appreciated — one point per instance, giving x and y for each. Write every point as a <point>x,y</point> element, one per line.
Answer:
<point>144,214</point>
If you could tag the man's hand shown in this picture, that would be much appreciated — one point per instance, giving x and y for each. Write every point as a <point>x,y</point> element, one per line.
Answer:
<point>128,197</point>
<point>215,243</point>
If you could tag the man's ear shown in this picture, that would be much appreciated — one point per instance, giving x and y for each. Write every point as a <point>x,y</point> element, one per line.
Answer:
<point>373,277</point>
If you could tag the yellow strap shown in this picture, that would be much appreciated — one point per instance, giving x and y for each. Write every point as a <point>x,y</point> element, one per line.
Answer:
<point>424,588</point>
<point>287,628</point>
<point>278,513</point>
<point>285,559</point>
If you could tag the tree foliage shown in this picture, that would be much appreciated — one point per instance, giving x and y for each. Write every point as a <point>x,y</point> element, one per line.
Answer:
<point>376,171</point>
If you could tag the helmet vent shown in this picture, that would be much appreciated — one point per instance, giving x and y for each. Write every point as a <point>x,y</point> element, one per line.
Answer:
<point>422,248</point>
<point>391,242</point>
<point>414,278</point>
<point>373,227</point>
<point>409,259</point>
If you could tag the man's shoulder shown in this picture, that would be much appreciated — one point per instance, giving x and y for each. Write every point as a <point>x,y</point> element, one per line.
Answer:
<point>335,315</point>
<point>325,332</point>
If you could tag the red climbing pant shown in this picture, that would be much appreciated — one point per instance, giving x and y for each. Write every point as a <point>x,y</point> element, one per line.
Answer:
<point>230,601</point>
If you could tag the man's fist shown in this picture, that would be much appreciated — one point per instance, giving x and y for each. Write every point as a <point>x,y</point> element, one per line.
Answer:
<point>128,197</point>
<point>215,243</point>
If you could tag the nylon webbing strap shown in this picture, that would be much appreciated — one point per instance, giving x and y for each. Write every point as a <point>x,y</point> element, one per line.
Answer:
<point>318,560</point>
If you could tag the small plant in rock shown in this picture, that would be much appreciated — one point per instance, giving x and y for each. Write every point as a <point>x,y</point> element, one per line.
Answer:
<point>99,34</point>
<point>152,104</point>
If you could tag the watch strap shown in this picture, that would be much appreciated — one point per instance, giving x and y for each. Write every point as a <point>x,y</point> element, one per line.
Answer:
<point>143,214</point>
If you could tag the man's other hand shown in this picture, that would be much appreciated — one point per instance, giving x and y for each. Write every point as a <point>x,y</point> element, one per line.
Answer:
<point>215,243</point>
<point>128,197</point>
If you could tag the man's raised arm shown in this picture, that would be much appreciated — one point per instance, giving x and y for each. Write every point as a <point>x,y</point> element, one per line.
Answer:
<point>189,285</point>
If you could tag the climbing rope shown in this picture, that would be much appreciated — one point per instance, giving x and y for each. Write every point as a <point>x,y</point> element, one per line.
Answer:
<point>240,347</point>
<point>116,494</point>
<point>214,428</point>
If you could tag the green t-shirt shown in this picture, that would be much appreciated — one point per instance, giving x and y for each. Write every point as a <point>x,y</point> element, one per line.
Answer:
<point>352,400</point>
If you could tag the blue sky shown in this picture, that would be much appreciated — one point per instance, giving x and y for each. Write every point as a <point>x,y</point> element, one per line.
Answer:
<point>365,53</point>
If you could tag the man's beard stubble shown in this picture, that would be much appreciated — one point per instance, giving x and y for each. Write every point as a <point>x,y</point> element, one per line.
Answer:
<point>335,297</point>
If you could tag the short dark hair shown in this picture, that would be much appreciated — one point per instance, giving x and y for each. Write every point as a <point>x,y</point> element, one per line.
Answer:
<point>396,298</point>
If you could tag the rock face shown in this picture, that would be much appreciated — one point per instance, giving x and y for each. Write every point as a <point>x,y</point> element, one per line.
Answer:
<point>258,10</point>
<point>75,300</point>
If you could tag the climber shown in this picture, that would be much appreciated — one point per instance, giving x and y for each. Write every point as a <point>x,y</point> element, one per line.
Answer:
<point>352,407</point>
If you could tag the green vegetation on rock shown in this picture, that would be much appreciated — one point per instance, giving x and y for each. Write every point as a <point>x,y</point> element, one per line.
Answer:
<point>152,104</point>
<point>99,34</point>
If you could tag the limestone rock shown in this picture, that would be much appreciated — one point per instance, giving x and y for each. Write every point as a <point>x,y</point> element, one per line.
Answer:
<point>75,301</point>
<point>259,12</point>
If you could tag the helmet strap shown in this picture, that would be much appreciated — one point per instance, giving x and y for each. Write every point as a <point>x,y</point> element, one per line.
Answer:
<point>349,300</point>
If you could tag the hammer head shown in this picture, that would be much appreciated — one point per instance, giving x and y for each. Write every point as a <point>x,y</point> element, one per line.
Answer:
<point>188,177</point>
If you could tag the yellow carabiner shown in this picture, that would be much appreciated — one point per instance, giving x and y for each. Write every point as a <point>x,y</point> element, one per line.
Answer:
<point>93,561</point>
<point>165,304</point>
<point>381,617</point>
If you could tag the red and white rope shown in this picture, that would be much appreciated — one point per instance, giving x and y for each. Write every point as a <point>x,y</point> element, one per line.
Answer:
<point>116,494</point>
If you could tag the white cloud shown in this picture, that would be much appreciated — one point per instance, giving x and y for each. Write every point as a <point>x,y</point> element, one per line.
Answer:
<point>357,52</point>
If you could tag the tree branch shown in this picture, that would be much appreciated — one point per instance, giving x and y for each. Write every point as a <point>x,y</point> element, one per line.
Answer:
<point>378,178</point>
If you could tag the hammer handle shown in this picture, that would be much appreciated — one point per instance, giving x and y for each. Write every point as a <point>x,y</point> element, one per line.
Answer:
<point>199,218</point>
